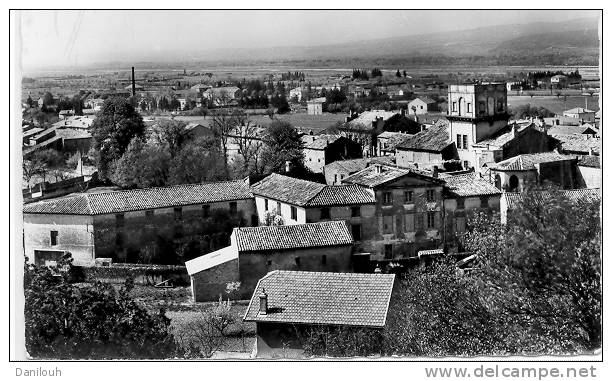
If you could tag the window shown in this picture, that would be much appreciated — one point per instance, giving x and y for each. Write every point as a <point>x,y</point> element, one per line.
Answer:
<point>387,224</point>
<point>341,177</point>
<point>178,214</point>
<point>149,214</point>
<point>268,263</point>
<point>409,222</point>
<point>465,142</point>
<point>419,224</point>
<point>54,234</point>
<point>233,207</point>
<point>355,211</point>
<point>500,105</point>
<point>324,259</point>
<point>205,211</point>
<point>388,251</point>
<point>459,140</point>
<point>466,164</point>
<point>387,198</point>
<point>324,213</point>
<point>484,201</point>
<point>278,207</point>
<point>460,203</point>
<point>294,213</point>
<point>454,106</point>
<point>482,107</point>
<point>356,230</point>
<point>297,261</point>
<point>431,220</point>
<point>407,196</point>
<point>469,107</point>
<point>119,220</point>
<point>335,178</point>
<point>265,204</point>
<point>430,195</point>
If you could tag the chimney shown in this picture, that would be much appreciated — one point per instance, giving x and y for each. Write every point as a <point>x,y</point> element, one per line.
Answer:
<point>377,270</point>
<point>263,302</point>
<point>379,168</point>
<point>434,172</point>
<point>591,152</point>
<point>287,166</point>
<point>133,83</point>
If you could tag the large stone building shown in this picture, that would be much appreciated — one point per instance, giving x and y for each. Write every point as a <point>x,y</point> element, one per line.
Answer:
<point>431,146</point>
<point>255,251</point>
<point>338,170</point>
<point>475,112</point>
<point>408,211</point>
<point>286,304</point>
<point>137,226</point>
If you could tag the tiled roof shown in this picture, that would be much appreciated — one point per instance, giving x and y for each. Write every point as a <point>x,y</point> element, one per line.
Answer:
<point>307,193</point>
<point>426,100</point>
<point>503,136</point>
<point>321,141</point>
<point>590,161</point>
<point>577,110</point>
<point>514,198</point>
<point>527,162</point>
<point>342,195</point>
<point>579,143</point>
<point>469,184</point>
<point>141,199</point>
<point>319,234</point>
<point>367,117</point>
<point>372,176</point>
<point>68,133</point>
<point>434,139</point>
<point>304,297</point>
<point>356,165</point>
<point>570,130</point>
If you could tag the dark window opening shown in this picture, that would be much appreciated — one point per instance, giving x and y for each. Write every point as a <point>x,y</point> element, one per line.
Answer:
<point>119,220</point>
<point>389,251</point>
<point>325,213</point>
<point>387,198</point>
<point>484,201</point>
<point>178,214</point>
<point>278,207</point>
<point>387,224</point>
<point>408,196</point>
<point>356,230</point>
<point>266,204</point>
<point>149,214</point>
<point>54,235</point>
<point>233,206</point>
<point>297,261</point>
<point>324,259</point>
<point>294,213</point>
<point>460,203</point>
<point>268,263</point>
<point>431,219</point>
<point>430,195</point>
<point>356,211</point>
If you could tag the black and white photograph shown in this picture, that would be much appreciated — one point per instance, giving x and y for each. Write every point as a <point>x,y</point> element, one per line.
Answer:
<point>307,185</point>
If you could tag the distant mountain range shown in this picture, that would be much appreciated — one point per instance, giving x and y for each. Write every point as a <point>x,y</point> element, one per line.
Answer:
<point>574,42</point>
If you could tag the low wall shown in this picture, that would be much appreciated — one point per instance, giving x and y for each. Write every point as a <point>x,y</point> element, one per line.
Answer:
<point>146,275</point>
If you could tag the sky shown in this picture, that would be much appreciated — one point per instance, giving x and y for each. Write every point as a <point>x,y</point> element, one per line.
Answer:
<point>77,38</point>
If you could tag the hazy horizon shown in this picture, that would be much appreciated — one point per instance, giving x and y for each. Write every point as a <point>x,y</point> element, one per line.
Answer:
<point>80,38</point>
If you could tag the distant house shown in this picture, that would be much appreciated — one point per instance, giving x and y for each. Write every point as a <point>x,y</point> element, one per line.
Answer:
<point>387,141</point>
<point>422,105</point>
<point>136,225</point>
<point>510,201</point>
<point>426,147</point>
<point>255,251</point>
<point>583,129</point>
<point>339,170</point>
<point>198,130</point>
<point>298,93</point>
<point>320,150</point>
<point>78,122</point>
<point>579,144</point>
<point>286,304</point>
<point>516,173</point>
<point>200,88</point>
<point>220,95</point>
<point>137,87</point>
<point>315,106</point>
<point>580,113</point>
<point>65,113</point>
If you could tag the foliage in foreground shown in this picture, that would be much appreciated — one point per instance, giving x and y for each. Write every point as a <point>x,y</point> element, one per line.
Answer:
<point>65,321</point>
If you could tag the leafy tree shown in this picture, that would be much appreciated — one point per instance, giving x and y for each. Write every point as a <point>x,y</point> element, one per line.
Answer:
<point>174,104</point>
<point>542,271</point>
<point>342,341</point>
<point>198,161</point>
<point>223,123</point>
<point>526,110</point>
<point>283,144</point>
<point>398,74</point>
<point>170,134</point>
<point>77,104</point>
<point>113,129</point>
<point>29,101</point>
<point>249,145</point>
<point>142,165</point>
<point>66,321</point>
<point>48,99</point>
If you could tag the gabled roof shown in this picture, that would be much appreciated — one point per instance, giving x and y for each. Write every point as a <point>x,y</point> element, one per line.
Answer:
<point>367,117</point>
<point>469,185</point>
<point>379,174</point>
<point>326,298</point>
<point>141,199</point>
<point>513,199</point>
<point>356,165</point>
<point>527,162</point>
<point>320,142</point>
<point>434,139</point>
<point>579,143</point>
<point>282,237</point>
<point>426,100</point>
<point>307,193</point>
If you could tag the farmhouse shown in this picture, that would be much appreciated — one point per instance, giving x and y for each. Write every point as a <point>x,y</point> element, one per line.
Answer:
<point>323,246</point>
<point>422,105</point>
<point>286,304</point>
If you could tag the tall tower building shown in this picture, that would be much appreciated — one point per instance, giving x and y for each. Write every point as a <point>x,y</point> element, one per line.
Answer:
<point>475,112</point>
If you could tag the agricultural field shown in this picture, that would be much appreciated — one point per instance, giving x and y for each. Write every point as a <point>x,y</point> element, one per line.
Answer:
<point>554,103</point>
